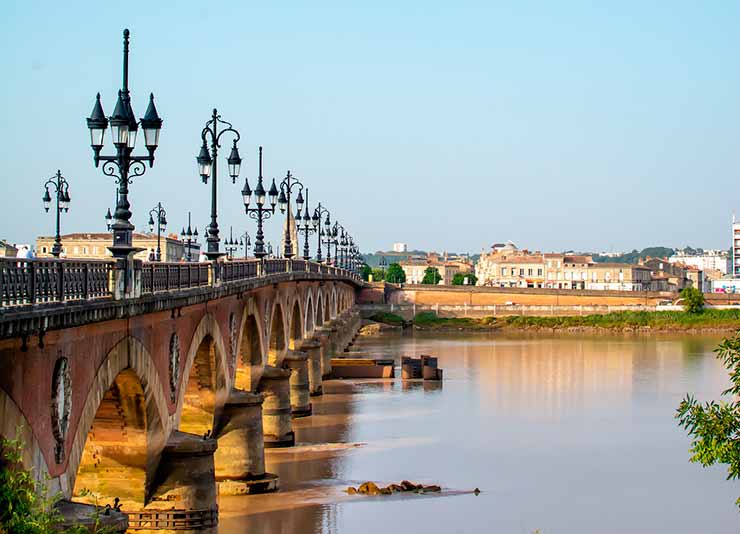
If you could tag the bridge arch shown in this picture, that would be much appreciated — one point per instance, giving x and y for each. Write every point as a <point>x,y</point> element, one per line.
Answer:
<point>122,429</point>
<point>296,326</point>
<point>205,381</point>
<point>14,425</point>
<point>250,360</point>
<point>333,302</point>
<point>319,308</point>
<point>277,343</point>
<point>310,314</point>
<point>327,307</point>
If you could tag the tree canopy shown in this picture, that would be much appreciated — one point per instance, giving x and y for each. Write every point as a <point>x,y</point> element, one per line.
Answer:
<point>395,274</point>
<point>693,300</point>
<point>431,276</point>
<point>714,426</point>
<point>459,279</point>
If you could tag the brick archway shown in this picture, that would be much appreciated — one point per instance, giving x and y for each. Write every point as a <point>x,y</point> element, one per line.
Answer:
<point>250,357</point>
<point>295,330</point>
<point>310,314</point>
<point>277,343</point>
<point>124,423</point>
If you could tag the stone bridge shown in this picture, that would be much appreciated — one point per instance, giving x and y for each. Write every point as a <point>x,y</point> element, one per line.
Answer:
<point>161,384</point>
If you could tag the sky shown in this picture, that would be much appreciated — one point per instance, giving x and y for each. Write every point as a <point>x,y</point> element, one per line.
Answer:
<point>595,126</point>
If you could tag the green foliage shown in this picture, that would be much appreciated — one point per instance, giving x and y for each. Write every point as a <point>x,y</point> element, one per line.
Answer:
<point>635,256</point>
<point>693,300</point>
<point>634,319</point>
<point>459,279</point>
<point>366,271</point>
<point>388,318</point>
<point>25,504</point>
<point>395,274</point>
<point>714,427</point>
<point>429,320</point>
<point>431,276</point>
<point>378,275</point>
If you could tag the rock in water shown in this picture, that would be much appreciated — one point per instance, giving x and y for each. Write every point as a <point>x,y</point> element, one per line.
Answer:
<point>368,488</point>
<point>351,491</point>
<point>432,488</point>
<point>476,491</point>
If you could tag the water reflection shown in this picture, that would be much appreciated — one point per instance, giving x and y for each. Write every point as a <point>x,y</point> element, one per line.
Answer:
<point>563,433</point>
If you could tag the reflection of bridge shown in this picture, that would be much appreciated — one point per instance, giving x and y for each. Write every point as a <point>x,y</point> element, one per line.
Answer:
<point>159,383</point>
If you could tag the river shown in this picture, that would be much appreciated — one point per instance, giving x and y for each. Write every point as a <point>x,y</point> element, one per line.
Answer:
<point>565,434</point>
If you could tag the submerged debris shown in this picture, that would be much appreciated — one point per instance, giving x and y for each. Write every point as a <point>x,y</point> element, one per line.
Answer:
<point>370,488</point>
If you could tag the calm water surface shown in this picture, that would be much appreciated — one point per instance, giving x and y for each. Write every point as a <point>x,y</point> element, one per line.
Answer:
<point>563,434</point>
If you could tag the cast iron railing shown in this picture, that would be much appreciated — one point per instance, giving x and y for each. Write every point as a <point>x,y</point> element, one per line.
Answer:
<point>38,281</point>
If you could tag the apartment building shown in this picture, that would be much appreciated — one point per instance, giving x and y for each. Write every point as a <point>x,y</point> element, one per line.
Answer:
<point>718,260</point>
<point>415,268</point>
<point>95,246</point>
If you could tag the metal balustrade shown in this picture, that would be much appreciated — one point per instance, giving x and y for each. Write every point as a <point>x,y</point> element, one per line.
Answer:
<point>41,281</point>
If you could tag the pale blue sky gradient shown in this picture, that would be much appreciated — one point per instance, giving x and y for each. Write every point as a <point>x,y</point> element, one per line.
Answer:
<point>559,125</point>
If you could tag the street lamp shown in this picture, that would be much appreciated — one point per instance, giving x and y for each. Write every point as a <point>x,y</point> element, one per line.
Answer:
<point>334,240</point>
<point>310,225</point>
<point>207,166</point>
<point>245,241</point>
<point>124,165</point>
<point>161,215</point>
<point>189,237</point>
<point>231,244</point>
<point>286,189</point>
<point>261,213</point>
<point>324,232</point>
<point>61,192</point>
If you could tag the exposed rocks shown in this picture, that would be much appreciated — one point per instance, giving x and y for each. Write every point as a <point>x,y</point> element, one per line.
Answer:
<point>370,488</point>
<point>376,329</point>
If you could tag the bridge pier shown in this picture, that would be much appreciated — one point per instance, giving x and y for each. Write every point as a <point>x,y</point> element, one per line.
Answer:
<point>312,347</point>
<point>323,335</point>
<point>300,403</point>
<point>184,499</point>
<point>240,457</point>
<point>276,413</point>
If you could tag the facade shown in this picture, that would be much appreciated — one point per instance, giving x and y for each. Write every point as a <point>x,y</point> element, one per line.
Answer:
<point>414,268</point>
<point>620,277</point>
<point>676,274</point>
<point>735,248</point>
<point>726,284</point>
<point>8,250</point>
<point>400,247</point>
<point>95,246</point>
<point>718,260</point>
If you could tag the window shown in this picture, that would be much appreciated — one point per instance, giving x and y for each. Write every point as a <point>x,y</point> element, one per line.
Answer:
<point>84,250</point>
<point>539,272</point>
<point>608,276</point>
<point>593,276</point>
<point>43,249</point>
<point>521,272</point>
<point>529,272</point>
<point>76,250</point>
<point>503,271</point>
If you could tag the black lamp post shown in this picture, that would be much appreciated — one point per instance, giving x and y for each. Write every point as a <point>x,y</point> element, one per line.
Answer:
<point>334,240</point>
<point>124,165</point>
<point>231,244</point>
<point>189,237</point>
<point>261,213</point>
<point>286,189</point>
<point>245,241</point>
<point>310,224</point>
<point>324,233</point>
<point>61,192</point>
<point>207,166</point>
<point>343,243</point>
<point>161,215</point>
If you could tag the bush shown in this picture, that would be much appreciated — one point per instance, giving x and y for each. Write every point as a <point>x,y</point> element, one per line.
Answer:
<point>693,300</point>
<point>395,274</point>
<point>459,279</point>
<point>387,318</point>
<point>425,318</point>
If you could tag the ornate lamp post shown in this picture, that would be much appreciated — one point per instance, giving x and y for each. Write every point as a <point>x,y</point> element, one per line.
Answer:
<point>61,192</point>
<point>189,238</point>
<point>343,243</point>
<point>334,240</point>
<point>245,241</point>
<point>286,189</point>
<point>123,166</point>
<point>231,244</point>
<point>261,213</point>
<point>161,215</point>
<point>208,164</point>
<point>310,224</point>
<point>324,233</point>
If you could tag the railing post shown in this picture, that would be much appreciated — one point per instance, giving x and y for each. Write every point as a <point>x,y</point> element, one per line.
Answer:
<point>60,281</point>
<point>86,281</point>
<point>32,281</point>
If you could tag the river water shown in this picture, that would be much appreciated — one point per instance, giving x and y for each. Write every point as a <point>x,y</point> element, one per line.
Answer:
<point>566,434</point>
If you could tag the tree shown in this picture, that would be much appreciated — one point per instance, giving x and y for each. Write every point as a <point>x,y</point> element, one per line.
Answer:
<point>395,274</point>
<point>693,300</point>
<point>431,276</point>
<point>714,426</point>
<point>460,279</point>
<point>378,274</point>
<point>366,271</point>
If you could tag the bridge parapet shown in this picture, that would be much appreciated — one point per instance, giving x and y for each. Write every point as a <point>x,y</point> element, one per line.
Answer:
<point>37,295</point>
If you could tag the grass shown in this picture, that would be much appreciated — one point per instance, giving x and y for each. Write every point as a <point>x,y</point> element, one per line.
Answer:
<point>668,320</point>
<point>387,318</point>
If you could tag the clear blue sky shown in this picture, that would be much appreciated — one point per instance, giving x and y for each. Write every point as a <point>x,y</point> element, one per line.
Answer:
<point>584,125</point>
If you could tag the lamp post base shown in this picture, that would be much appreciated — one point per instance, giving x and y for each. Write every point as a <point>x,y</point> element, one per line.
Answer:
<point>213,256</point>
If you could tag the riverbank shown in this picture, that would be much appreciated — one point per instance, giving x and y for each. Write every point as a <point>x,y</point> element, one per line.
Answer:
<point>710,320</point>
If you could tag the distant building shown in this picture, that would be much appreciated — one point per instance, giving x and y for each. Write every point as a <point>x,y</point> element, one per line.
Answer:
<point>400,247</point>
<point>95,246</point>
<point>8,250</point>
<point>726,284</point>
<point>710,259</point>
<point>415,268</point>
<point>735,248</point>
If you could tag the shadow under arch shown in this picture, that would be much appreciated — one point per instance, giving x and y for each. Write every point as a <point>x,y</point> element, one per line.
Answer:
<point>14,425</point>
<point>276,347</point>
<point>327,308</point>
<point>122,430</point>
<point>333,309</point>
<point>296,327</point>
<point>319,310</point>
<point>249,361</point>
<point>205,382</point>
<point>310,315</point>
